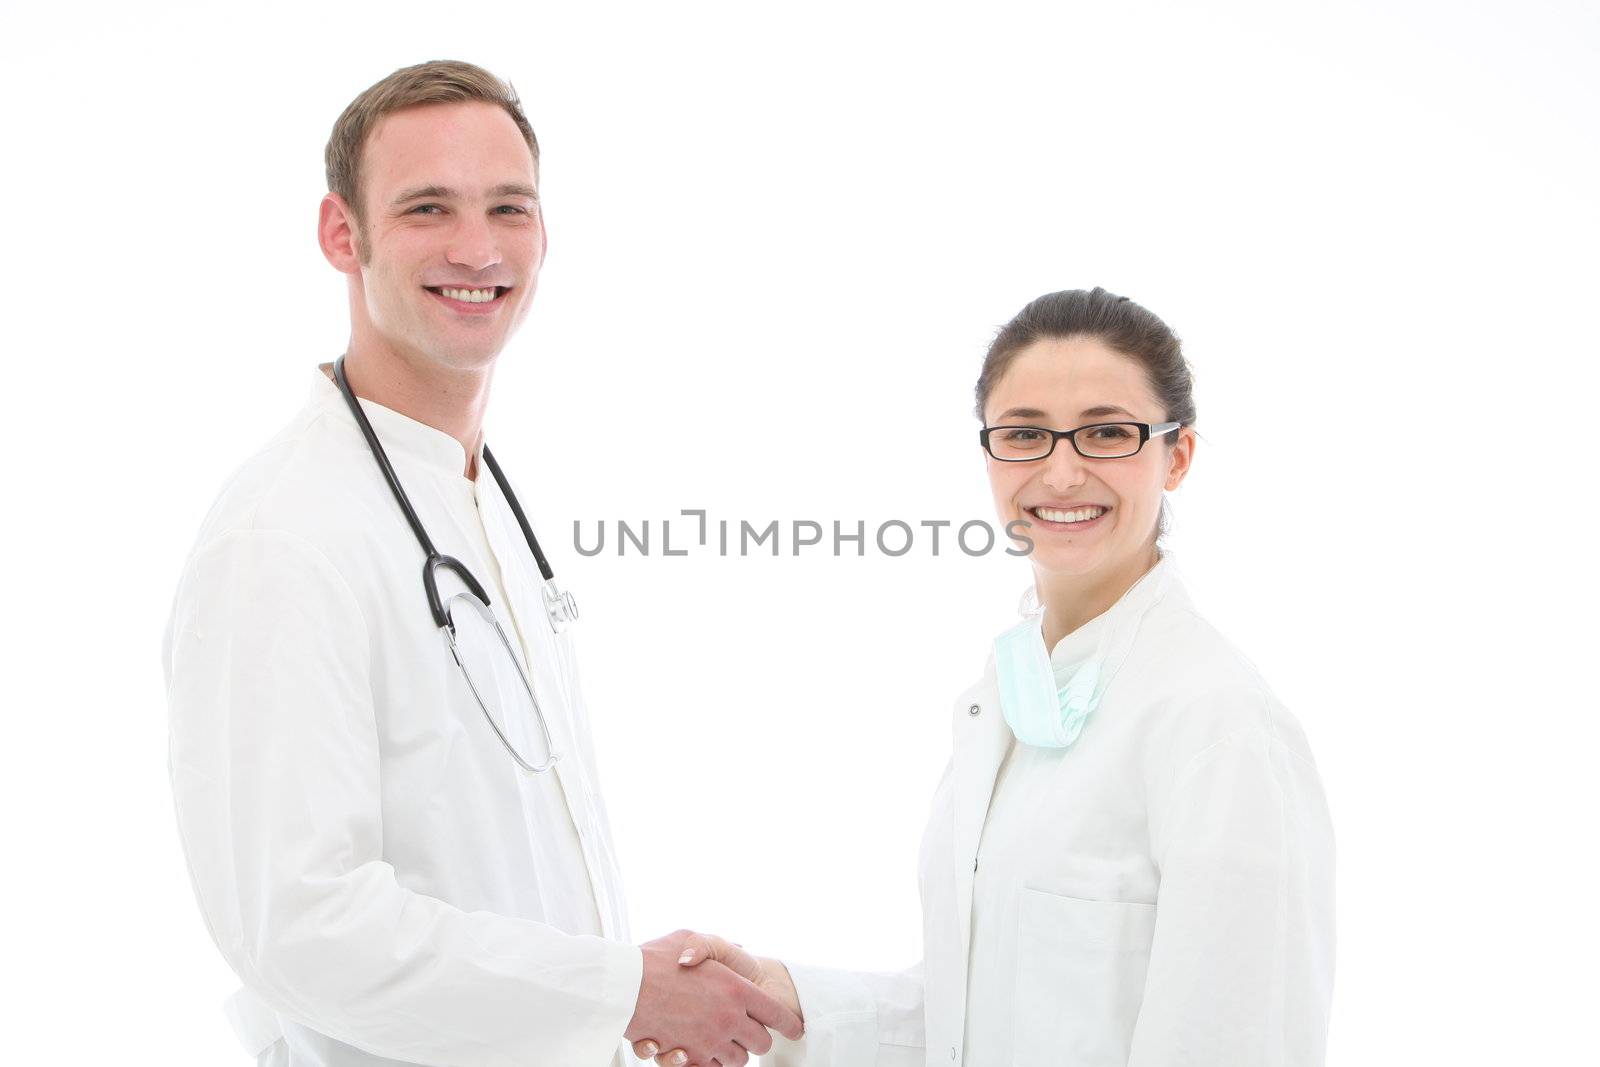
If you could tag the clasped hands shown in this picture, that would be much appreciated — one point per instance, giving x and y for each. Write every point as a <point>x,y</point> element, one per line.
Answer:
<point>710,1003</point>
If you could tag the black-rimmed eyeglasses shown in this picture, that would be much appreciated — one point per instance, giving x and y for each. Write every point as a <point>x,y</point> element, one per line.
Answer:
<point>1100,440</point>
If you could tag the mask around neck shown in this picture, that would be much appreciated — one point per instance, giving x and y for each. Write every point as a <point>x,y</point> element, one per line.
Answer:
<point>1046,706</point>
<point>1039,711</point>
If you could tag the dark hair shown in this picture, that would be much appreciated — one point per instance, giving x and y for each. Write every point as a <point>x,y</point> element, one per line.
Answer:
<point>1115,321</point>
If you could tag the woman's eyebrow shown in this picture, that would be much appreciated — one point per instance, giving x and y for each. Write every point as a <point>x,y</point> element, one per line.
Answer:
<point>1022,413</point>
<point>1088,413</point>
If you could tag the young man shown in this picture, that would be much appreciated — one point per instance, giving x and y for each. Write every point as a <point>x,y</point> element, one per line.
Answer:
<point>375,853</point>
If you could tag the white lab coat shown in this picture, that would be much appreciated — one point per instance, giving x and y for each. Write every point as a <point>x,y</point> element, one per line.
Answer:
<point>386,883</point>
<point>1159,893</point>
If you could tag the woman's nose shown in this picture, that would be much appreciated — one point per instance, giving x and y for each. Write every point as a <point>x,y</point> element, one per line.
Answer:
<point>1063,467</point>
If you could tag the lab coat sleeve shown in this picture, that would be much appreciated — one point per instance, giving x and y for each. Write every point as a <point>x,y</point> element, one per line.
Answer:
<point>854,1019</point>
<point>275,772</point>
<point>1241,963</point>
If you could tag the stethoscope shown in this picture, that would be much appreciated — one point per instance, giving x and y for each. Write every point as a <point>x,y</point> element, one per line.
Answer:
<point>560,608</point>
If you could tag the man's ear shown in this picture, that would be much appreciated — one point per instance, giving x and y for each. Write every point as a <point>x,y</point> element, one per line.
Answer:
<point>336,233</point>
<point>1181,458</point>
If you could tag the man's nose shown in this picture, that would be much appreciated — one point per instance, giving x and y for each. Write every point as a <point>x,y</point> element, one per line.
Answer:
<point>1064,468</point>
<point>473,244</point>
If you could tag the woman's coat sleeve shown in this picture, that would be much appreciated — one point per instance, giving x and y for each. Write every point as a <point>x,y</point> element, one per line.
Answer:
<point>1241,965</point>
<point>854,1019</point>
<point>274,757</point>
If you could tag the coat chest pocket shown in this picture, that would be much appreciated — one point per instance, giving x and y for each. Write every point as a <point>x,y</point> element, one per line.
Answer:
<point>1080,978</point>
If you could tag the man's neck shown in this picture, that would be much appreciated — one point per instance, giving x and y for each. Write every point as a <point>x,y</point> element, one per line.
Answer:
<point>452,401</point>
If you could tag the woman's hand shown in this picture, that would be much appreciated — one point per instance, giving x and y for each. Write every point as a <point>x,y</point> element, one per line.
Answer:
<point>765,973</point>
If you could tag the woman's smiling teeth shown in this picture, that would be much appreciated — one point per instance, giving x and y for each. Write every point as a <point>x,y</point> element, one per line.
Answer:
<point>1077,515</point>
<point>469,296</point>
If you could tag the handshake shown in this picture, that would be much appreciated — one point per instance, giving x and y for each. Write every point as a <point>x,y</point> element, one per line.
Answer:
<point>710,1003</point>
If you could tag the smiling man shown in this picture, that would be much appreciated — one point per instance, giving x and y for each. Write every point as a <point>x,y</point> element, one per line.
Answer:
<point>381,762</point>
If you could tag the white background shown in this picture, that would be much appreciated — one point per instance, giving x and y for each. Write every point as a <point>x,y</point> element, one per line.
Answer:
<point>1374,225</point>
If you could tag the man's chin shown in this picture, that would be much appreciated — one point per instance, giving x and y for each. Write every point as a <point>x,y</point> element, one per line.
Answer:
<point>469,361</point>
<point>461,354</point>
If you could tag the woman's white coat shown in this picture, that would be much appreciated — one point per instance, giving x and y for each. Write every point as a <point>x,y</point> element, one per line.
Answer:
<point>1162,892</point>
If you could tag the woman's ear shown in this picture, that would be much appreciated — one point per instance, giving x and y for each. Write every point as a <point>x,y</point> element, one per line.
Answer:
<point>1179,457</point>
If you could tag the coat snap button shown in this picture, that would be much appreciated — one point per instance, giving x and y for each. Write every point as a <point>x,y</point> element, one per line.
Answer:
<point>974,710</point>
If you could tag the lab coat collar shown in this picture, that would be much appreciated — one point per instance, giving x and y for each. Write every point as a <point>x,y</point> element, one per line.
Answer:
<point>399,434</point>
<point>1111,625</point>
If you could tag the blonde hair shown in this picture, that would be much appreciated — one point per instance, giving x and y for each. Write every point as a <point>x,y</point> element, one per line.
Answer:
<point>438,81</point>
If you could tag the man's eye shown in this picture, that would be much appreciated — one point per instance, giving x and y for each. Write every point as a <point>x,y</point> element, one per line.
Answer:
<point>426,207</point>
<point>513,207</point>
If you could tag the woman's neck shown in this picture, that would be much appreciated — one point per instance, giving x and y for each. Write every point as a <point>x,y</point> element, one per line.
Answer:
<point>1070,600</point>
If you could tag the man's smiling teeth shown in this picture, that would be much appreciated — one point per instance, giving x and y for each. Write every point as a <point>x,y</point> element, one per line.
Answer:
<point>470,296</point>
<point>1080,515</point>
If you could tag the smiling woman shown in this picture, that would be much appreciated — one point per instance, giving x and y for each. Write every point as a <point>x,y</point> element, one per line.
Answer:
<point>1115,373</point>
<point>1129,860</point>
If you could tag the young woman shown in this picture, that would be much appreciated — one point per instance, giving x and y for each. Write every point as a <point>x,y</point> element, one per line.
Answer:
<point>1129,859</point>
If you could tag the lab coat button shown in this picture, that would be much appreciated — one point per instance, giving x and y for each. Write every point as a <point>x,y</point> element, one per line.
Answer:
<point>952,1047</point>
<point>974,710</point>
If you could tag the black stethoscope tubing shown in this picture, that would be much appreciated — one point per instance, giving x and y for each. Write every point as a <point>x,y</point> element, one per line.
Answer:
<point>433,558</point>
<point>560,608</point>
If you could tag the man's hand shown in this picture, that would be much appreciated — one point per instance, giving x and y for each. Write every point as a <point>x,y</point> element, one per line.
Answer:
<point>767,974</point>
<point>709,1013</point>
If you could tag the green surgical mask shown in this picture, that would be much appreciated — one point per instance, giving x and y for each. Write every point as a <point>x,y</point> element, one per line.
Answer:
<point>1038,710</point>
<point>1045,703</point>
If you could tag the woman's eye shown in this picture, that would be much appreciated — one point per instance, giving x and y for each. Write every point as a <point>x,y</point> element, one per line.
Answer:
<point>1021,436</point>
<point>1111,433</point>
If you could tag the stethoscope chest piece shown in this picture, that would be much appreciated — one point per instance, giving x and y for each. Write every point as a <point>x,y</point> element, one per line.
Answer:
<point>561,607</point>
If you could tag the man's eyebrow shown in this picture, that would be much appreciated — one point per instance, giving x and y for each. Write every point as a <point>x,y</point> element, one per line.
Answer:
<point>424,192</point>
<point>515,189</point>
<point>441,192</point>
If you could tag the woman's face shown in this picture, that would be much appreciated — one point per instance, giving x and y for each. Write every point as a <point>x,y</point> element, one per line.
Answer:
<point>1064,384</point>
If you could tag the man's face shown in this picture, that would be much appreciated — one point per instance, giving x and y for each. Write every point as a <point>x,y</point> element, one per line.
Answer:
<point>453,239</point>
